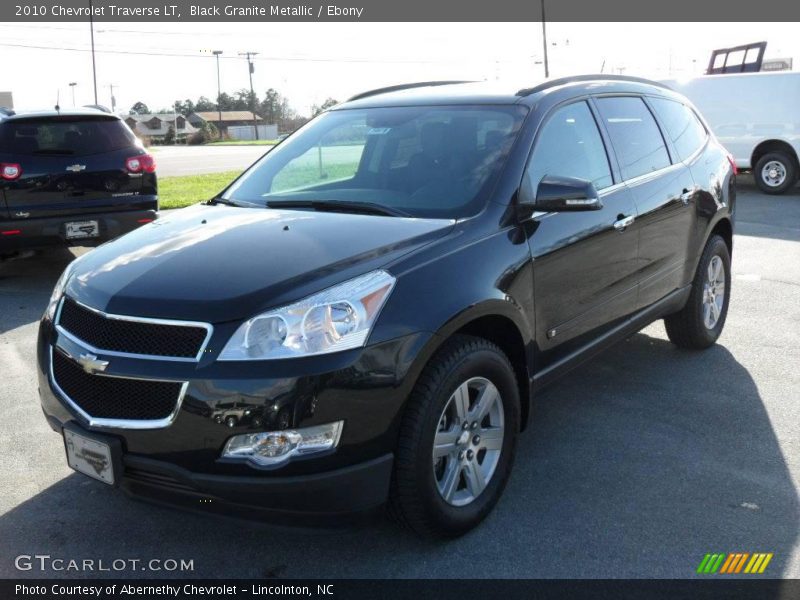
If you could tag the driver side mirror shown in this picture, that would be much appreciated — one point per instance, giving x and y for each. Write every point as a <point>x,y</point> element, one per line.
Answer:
<point>560,194</point>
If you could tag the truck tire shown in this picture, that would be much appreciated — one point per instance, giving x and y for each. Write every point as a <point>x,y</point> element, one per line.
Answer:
<point>775,172</point>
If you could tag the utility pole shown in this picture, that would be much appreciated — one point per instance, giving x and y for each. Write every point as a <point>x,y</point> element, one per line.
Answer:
<point>219,91</point>
<point>94,63</point>
<point>72,87</point>
<point>544,44</point>
<point>250,69</point>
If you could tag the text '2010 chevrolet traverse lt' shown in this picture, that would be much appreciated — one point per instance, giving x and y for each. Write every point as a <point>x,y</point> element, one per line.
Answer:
<point>363,316</point>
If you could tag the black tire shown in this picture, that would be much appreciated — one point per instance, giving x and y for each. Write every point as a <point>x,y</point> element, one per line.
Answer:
<point>415,500</point>
<point>686,328</point>
<point>789,165</point>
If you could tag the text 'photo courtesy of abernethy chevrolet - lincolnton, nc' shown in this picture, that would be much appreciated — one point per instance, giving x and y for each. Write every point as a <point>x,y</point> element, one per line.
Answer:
<point>321,340</point>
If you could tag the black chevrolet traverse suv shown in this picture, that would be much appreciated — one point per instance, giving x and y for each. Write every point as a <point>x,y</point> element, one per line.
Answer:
<point>75,176</point>
<point>380,297</point>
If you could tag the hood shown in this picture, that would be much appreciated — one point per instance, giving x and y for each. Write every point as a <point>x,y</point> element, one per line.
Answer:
<point>222,263</point>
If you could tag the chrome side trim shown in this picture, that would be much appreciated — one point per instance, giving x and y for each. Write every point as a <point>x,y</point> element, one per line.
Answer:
<point>117,423</point>
<point>207,326</point>
<point>645,177</point>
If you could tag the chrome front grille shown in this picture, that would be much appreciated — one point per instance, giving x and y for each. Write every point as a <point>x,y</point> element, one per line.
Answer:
<point>132,336</point>
<point>115,398</point>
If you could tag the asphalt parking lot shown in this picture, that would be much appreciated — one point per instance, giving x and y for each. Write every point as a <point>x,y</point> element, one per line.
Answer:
<point>635,465</point>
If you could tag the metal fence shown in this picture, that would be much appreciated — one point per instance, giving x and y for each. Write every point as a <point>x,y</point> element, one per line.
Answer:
<point>247,132</point>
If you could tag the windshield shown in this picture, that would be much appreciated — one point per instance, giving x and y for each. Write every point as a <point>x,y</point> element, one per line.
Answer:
<point>430,161</point>
<point>70,136</point>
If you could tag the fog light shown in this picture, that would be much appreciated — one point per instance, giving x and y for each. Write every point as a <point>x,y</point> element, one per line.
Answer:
<point>271,448</point>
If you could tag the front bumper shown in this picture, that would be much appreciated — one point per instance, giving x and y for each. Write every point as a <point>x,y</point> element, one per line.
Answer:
<point>302,499</point>
<point>50,231</point>
<point>180,464</point>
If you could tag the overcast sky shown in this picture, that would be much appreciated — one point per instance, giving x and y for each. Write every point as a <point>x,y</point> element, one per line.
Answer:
<point>158,63</point>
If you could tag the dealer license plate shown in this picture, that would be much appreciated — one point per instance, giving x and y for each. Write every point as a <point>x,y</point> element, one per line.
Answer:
<point>89,456</point>
<point>82,229</point>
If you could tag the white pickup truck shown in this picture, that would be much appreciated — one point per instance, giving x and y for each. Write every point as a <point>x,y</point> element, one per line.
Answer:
<point>756,116</point>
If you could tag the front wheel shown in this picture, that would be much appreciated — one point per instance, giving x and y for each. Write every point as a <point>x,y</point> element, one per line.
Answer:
<point>457,440</point>
<point>700,322</point>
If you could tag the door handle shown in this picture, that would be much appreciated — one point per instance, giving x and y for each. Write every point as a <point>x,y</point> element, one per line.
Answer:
<point>623,222</point>
<point>688,194</point>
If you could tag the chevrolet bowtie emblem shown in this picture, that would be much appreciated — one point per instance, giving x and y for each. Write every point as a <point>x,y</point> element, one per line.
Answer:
<point>91,364</point>
<point>76,168</point>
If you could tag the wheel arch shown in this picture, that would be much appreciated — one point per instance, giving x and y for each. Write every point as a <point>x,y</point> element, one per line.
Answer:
<point>723,228</point>
<point>501,323</point>
<point>772,145</point>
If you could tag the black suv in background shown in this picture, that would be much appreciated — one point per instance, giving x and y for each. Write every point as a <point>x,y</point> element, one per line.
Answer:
<point>385,292</point>
<point>74,176</point>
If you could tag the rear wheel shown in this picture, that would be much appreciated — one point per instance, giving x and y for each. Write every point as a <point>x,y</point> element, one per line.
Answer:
<point>775,172</point>
<point>457,440</point>
<point>700,322</point>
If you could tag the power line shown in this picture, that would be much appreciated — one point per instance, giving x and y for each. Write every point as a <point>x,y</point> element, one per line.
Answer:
<point>265,58</point>
<point>132,31</point>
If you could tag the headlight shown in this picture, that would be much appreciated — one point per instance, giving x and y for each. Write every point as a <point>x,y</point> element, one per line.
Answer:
<point>339,318</point>
<point>273,448</point>
<point>58,291</point>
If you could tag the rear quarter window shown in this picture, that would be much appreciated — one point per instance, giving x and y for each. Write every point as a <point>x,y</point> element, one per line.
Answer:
<point>686,131</point>
<point>65,136</point>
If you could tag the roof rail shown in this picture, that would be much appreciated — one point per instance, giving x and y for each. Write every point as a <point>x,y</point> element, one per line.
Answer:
<point>99,107</point>
<point>403,86</point>
<point>6,112</point>
<point>577,78</point>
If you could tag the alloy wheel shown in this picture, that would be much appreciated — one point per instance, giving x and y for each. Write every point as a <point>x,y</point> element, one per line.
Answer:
<point>469,441</point>
<point>713,292</point>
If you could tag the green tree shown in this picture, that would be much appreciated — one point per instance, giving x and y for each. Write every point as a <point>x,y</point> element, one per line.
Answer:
<point>169,137</point>
<point>272,106</point>
<point>140,108</point>
<point>244,100</point>
<point>226,102</point>
<point>329,102</point>
<point>203,104</point>
<point>206,132</point>
<point>185,107</point>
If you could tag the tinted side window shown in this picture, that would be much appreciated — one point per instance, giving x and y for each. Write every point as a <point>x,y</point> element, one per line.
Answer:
<point>570,145</point>
<point>634,134</point>
<point>686,132</point>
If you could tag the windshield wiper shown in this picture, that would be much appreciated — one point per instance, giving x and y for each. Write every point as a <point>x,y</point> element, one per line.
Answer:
<point>370,208</point>
<point>220,200</point>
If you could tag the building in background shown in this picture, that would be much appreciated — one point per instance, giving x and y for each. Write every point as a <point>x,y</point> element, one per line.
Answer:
<point>7,99</point>
<point>236,124</point>
<point>156,126</point>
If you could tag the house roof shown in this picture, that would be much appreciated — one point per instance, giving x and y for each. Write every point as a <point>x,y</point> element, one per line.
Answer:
<point>227,115</point>
<point>166,119</point>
